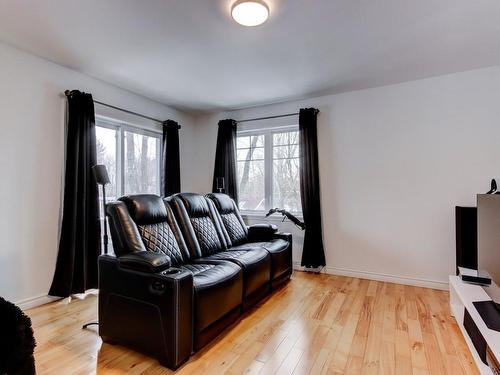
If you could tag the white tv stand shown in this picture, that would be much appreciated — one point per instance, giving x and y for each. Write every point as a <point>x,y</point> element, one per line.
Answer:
<point>462,296</point>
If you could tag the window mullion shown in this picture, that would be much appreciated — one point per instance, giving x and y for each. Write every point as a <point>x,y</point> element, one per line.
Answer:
<point>268,157</point>
<point>121,163</point>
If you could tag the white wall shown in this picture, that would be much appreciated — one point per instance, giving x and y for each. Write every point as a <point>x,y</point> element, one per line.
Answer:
<point>31,162</point>
<point>394,161</point>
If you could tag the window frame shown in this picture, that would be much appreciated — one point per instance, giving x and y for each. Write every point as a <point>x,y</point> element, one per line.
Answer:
<point>268,134</point>
<point>120,128</point>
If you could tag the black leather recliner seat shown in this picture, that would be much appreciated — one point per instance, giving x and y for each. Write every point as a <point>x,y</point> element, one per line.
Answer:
<point>146,237</point>
<point>207,241</point>
<point>243,238</point>
<point>173,285</point>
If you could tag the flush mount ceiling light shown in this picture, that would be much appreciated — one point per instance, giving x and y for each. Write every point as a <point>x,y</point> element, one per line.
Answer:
<point>250,12</point>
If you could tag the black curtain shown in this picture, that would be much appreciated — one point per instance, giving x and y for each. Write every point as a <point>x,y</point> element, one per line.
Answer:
<point>225,158</point>
<point>313,254</point>
<point>171,181</point>
<point>79,244</point>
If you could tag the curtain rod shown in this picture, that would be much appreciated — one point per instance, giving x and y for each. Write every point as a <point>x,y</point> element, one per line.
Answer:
<point>68,93</point>
<point>268,117</point>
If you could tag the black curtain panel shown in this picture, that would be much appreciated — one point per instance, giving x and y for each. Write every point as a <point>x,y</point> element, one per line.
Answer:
<point>79,244</point>
<point>313,254</point>
<point>225,158</point>
<point>171,181</point>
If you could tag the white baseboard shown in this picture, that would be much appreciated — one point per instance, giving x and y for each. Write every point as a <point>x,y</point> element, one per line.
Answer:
<point>433,284</point>
<point>29,303</point>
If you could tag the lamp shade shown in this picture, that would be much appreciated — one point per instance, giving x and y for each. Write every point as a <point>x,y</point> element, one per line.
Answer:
<point>101,174</point>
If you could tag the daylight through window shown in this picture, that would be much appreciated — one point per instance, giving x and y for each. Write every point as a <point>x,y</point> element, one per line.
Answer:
<point>131,156</point>
<point>268,169</point>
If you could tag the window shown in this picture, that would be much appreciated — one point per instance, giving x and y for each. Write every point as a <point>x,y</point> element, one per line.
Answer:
<point>106,154</point>
<point>141,163</point>
<point>285,172</point>
<point>251,172</point>
<point>131,156</point>
<point>268,169</point>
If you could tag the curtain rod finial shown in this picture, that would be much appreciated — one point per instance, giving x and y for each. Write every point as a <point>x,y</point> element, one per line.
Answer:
<point>172,122</point>
<point>67,92</point>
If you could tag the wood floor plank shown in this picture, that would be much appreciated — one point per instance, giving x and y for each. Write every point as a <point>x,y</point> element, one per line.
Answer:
<point>418,359</point>
<point>316,324</point>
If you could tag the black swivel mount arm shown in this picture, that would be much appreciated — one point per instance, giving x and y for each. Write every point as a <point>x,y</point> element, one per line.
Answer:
<point>287,215</point>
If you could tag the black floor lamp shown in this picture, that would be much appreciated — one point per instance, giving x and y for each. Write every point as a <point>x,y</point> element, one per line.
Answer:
<point>102,178</point>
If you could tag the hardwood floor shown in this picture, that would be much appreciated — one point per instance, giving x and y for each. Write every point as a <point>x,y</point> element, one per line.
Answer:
<point>316,324</point>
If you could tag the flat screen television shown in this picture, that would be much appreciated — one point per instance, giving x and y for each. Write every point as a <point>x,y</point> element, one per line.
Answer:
<point>488,242</point>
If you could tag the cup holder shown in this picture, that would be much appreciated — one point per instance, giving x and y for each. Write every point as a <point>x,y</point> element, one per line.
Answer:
<point>171,271</point>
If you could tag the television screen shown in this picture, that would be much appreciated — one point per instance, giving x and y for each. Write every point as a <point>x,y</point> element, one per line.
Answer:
<point>488,240</point>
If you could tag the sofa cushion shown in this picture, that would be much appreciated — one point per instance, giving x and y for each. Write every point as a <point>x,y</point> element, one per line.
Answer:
<point>273,246</point>
<point>218,287</point>
<point>200,223</point>
<point>160,238</point>
<point>266,237</point>
<point>240,257</point>
<point>279,251</point>
<point>197,268</point>
<point>124,232</point>
<point>223,202</point>
<point>206,234</point>
<point>154,221</point>
<point>234,229</point>
<point>145,208</point>
<point>233,224</point>
<point>195,204</point>
<point>256,265</point>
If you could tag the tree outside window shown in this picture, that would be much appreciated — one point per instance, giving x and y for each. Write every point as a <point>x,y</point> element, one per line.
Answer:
<point>268,169</point>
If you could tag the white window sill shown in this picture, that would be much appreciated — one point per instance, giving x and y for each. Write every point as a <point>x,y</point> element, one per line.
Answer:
<point>262,215</point>
<point>255,215</point>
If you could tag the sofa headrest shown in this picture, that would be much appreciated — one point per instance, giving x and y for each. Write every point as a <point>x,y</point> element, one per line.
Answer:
<point>196,204</point>
<point>145,208</point>
<point>223,202</point>
<point>126,237</point>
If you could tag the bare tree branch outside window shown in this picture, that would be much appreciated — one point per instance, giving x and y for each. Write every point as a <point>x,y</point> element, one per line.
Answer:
<point>277,151</point>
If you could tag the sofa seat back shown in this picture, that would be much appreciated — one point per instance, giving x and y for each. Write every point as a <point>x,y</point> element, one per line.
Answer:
<point>200,224</point>
<point>233,225</point>
<point>260,236</point>
<point>146,223</point>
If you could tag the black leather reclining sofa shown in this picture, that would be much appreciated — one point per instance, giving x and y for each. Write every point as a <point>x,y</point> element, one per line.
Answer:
<point>185,267</point>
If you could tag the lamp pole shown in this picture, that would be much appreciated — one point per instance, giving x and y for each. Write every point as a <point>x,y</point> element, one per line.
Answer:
<point>101,178</point>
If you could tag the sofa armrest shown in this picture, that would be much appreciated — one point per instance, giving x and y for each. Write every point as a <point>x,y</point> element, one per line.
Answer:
<point>284,236</point>
<point>150,311</point>
<point>145,261</point>
<point>261,232</point>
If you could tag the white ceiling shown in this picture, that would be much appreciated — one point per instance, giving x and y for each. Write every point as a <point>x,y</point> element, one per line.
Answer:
<point>190,54</point>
